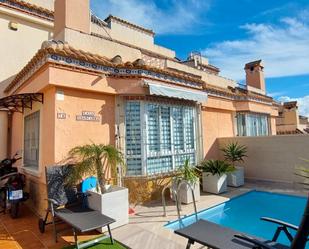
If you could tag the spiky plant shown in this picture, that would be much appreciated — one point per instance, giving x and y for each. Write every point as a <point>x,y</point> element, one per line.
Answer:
<point>94,159</point>
<point>188,173</point>
<point>234,152</point>
<point>216,167</point>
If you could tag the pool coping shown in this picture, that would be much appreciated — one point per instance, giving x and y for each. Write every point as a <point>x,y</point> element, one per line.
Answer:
<point>169,223</point>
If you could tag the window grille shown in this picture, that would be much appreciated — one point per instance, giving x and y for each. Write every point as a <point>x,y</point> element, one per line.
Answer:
<point>159,137</point>
<point>133,138</point>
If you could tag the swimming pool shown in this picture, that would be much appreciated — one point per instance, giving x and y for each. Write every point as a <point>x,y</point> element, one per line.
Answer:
<point>243,213</point>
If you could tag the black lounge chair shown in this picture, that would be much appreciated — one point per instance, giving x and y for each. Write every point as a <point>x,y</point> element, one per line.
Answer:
<point>67,205</point>
<point>218,237</point>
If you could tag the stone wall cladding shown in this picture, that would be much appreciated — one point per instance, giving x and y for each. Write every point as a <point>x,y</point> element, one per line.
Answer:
<point>38,194</point>
<point>143,189</point>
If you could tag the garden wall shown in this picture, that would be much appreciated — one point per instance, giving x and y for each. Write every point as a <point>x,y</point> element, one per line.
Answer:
<point>274,157</point>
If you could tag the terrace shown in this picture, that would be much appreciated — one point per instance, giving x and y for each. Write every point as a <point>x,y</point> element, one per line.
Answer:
<point>145,229</point>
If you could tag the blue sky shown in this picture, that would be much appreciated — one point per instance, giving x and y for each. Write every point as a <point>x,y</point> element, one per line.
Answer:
<point>231,33</point>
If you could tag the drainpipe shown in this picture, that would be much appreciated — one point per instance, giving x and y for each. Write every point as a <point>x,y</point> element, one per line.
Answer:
<point>9,137</point>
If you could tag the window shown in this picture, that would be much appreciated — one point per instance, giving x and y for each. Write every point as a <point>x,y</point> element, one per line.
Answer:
<point>249,124</point>
<point>31,140</point>
<point>159,137</point>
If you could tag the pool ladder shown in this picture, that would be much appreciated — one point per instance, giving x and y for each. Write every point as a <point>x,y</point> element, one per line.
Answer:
<point>177,200</point>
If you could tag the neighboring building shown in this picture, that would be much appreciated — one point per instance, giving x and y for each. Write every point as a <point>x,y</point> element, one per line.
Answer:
<point>289,121</point>
<point>105,81</point>
<point>24,27</point>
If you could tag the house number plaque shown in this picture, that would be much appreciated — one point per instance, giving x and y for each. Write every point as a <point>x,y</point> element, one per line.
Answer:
<point>88,116</point>
<point>61,115</point>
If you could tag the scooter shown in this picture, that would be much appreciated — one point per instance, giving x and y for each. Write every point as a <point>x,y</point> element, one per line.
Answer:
<point>12,184</point>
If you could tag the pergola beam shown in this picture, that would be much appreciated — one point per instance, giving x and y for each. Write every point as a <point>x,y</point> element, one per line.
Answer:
<point>20,102</point>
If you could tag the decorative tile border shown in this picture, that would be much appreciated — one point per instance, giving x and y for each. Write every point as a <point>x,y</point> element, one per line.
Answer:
<point>59,59</point>
<point>121,71</point>
<point>28,9</point>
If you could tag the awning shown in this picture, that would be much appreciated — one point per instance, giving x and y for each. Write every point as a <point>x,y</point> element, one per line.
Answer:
<point>19,102</point>
<point>177,92</point>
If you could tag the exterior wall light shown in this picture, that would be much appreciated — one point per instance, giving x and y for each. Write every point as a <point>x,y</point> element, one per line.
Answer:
<point>13,26</point>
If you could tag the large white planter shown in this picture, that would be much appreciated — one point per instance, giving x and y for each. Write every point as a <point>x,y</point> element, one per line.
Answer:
<point>185,193</point>
<point>236,178</point>
<point>214,184</point>
<point>114,203</point>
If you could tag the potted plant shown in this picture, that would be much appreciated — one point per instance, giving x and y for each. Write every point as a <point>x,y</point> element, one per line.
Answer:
<point>215,175</point>
<point>186,173</point>
<point>101,161</point>
<point>234,153</point>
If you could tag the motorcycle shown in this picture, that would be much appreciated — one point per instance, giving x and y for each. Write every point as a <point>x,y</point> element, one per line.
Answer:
<point>12,184</point>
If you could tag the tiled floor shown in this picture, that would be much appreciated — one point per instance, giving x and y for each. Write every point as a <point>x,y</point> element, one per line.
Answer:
<point>145,230</point>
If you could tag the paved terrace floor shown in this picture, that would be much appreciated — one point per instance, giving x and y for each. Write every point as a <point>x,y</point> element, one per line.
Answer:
<point>145,230</point>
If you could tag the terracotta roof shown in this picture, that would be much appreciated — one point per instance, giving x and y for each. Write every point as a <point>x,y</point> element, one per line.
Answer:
<point>236,91</point>
<point>296,131</point>
<point>64,49</point>
<point>212,67</point>
<point>29,8</point>
<point>111,17</point>
<point>253,64</point>
<point>290,104</point>
<point>41,12</point>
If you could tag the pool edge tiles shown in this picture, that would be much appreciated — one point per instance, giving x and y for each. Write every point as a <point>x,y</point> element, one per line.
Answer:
<point>189,219</point>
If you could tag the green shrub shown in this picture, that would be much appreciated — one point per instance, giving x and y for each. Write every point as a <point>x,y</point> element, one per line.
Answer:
<point>216,167</point>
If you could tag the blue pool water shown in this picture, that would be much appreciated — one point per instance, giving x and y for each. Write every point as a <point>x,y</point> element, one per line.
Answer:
<point>243,213</point>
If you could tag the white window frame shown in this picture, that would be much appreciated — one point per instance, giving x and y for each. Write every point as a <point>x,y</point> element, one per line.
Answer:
<point>144,135</point>
<point>246,115</point>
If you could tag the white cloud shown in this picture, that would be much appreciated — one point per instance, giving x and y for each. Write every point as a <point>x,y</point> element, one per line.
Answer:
<point>284,48</point>
<point>177,17</point>
<point>303,103</point>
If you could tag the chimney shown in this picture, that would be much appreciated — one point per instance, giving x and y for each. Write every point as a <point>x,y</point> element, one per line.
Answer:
<point>72,14</point>
<point>255,75</point>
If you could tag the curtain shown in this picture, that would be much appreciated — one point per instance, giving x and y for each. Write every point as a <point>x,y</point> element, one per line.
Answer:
<point>249,124</point>
<point>32,139</point>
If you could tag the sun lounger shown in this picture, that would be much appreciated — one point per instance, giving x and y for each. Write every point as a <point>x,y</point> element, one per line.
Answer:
<point>66,205</point>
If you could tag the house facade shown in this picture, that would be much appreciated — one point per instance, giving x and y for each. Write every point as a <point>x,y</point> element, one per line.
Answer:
<point>289,121</point>
<point>106,81</point>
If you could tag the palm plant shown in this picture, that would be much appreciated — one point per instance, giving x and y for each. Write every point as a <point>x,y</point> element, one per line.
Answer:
<point>216,167</point>
<point>234,152</point>
<point>94,159</point>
